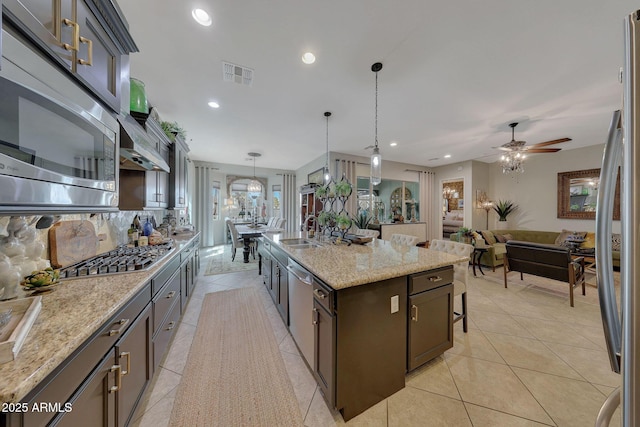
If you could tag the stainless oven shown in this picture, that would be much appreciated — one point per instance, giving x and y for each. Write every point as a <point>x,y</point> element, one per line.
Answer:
<point>58,146</point>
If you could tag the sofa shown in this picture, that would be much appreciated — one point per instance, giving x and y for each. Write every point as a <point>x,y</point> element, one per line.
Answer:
<point>451,222</point>
<point>496,249</point>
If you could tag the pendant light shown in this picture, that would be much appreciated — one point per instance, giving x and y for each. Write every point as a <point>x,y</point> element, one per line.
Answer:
<point>376,158</point>
<point>254,186</point>
<point>327,173</point>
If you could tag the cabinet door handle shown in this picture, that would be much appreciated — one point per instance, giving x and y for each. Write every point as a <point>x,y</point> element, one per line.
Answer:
<point>170,326</point>
<point>126,354</point>
<point>75,36</point>
<point>170,295</point>
<point>89,61</point>
<point>435,278</point>
<point>118,385</point>
<point>319,293</point>
<point>414,317</point>
<point>122,323</point>
<point>314,319</point>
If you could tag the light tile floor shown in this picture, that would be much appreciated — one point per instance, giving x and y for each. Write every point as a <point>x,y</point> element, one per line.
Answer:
<point>528,360</point>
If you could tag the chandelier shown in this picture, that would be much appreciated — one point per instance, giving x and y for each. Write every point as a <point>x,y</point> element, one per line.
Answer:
<point>512,161</point>
<point>254,186</point>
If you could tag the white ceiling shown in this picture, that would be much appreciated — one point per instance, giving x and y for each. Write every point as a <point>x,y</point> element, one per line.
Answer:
<point>455,74</point>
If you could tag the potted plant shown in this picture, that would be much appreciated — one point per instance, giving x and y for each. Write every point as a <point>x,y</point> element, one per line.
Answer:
<point>343,221</point>
<point>362,220</point>
<point>503,208</point>
<point>331,191</point>
<point>465,235</point>
<point>321,192</point>
<point>173,129</point>
<point>343,189</point>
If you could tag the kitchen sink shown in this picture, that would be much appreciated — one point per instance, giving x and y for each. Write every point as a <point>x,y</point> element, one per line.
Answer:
<point>300,243</point>
<point>305,246</point>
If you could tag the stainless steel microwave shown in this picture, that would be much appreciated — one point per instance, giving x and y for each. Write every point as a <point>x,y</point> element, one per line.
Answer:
<point>58,146</point>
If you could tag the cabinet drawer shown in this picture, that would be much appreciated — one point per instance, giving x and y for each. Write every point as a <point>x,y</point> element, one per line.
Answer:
<point>323,295</point>
<point>163,301</point>
<point>60,384</point>
<point>163,337</point>
<point>164,274</point>
<point>280,255</point>
<point>186,253</point>
<point>431,279</point>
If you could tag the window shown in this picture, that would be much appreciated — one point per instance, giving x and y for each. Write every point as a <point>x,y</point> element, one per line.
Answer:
<point>215,199</point>
<point>275,210</point>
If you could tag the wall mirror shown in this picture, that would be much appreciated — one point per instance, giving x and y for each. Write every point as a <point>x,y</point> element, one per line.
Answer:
<point>578,192</point>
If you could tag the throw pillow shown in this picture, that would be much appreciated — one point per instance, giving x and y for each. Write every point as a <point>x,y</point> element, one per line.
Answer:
<point>589,241</point>
<point>562,237</point>
<point>500,238</point>
<point>488,237</point>
<point>507,237</point>
<point>615,242</point>
<point>478,238</point>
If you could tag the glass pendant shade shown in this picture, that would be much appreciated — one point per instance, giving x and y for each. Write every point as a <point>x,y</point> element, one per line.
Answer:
<point>376,167</point>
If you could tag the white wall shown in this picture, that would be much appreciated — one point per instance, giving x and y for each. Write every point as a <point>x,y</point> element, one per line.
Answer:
<point>535,190</point>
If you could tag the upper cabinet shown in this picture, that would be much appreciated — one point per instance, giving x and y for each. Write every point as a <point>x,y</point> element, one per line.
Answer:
<point>178,180</point>
<point>88,38</point>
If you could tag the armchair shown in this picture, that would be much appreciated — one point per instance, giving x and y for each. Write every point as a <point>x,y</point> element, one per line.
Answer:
<point>544,260</point>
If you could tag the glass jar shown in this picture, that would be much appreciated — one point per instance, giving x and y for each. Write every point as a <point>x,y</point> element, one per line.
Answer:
<point>138,102</point>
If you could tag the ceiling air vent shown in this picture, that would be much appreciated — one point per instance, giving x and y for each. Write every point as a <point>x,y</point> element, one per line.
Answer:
<point>237,74</point>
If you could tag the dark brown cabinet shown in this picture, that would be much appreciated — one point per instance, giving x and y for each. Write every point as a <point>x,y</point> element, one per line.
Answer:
<point>110,393</point>
<point>103,380</point>
<point>70,33</point>
<point>430,316</point>
<point>324,335</point>
<point>95,402</point>
<point>178,180</point>
<point>310,205</point>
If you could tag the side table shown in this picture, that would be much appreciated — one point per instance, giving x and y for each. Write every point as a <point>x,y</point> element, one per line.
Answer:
<point>475,258</point>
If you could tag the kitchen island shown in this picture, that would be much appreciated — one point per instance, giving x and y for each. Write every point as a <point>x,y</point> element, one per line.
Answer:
<point>78,345</point>
<point>377,311</point>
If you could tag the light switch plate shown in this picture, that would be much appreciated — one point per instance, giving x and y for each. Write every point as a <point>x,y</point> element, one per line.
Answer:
<point>395,304</point>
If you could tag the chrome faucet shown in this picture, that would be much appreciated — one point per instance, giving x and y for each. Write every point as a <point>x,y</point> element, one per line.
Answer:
<point>305,224</point>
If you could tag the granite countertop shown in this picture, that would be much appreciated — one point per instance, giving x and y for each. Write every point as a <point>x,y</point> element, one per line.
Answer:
<point>341,266</point>
<point>70,314</point>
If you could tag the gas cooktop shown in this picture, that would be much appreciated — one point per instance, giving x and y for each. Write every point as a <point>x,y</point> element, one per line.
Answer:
<point>123,259</point>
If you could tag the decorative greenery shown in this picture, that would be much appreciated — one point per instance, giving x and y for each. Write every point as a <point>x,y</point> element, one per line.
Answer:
<point>464,231</point>
<point>362,220</point>
<point>326,218</point>
<point>173,129</point>
<point>343,188</point>
<point>331,191</point>
<point>343,221</point>
<point>321,191</point>
<point>504,208</point>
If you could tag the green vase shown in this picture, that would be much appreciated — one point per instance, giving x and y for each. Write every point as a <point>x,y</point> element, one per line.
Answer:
<point>138,102</point>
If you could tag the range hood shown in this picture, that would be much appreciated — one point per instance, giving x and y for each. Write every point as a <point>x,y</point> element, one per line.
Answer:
<point>137,150</point>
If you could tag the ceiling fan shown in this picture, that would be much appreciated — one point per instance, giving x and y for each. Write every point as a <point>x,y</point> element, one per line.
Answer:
<point>514,145</point>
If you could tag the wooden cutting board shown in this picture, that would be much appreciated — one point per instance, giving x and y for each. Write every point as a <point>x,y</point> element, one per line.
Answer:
<point>71,242</point>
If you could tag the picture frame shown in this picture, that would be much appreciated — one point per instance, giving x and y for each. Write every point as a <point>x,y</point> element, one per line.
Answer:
<point>460,204</point>
<point>316,177</point>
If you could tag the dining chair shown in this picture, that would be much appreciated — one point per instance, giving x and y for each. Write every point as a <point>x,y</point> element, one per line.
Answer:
<point>460,272</point>
<point>404,239</point>
<point>237,242</point>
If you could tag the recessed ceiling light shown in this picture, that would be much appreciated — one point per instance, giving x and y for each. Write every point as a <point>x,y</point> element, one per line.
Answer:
<point>308,58</point>
<point>393,144</point>
<point>447,156</point>
<point>214,104</point>
<point>201,17</point>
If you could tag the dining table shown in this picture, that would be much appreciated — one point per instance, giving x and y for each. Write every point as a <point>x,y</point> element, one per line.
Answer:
<point>247,232</point>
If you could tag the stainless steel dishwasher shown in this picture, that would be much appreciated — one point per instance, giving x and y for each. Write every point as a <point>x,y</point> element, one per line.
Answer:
<point>301,309</point>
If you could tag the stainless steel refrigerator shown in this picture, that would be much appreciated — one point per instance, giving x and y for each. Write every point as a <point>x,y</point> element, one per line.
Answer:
<point>622,323</point>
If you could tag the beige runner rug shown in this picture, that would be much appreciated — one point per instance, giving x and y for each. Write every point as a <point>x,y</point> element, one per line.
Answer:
<point>235,375</point>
